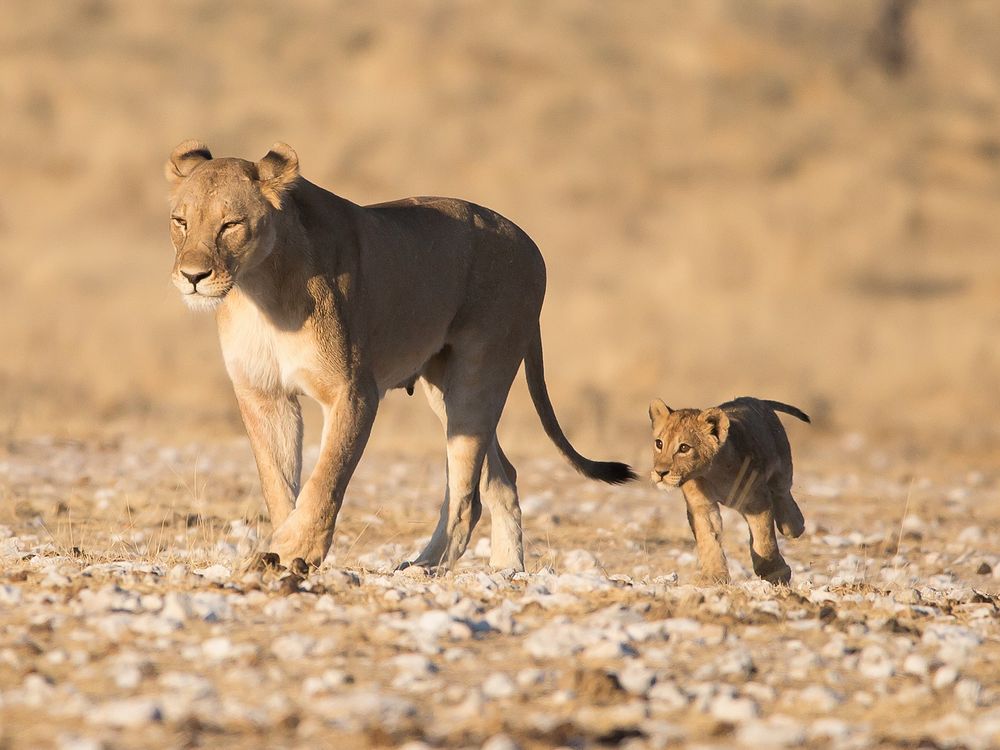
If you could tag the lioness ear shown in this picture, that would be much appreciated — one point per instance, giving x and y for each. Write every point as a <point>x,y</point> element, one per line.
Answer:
<point>277,171</point>
<point>658,409</point>
<point>718,423</point>
<point>184,159</point>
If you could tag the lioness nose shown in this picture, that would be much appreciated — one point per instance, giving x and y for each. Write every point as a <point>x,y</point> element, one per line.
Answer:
<point>195,277</point>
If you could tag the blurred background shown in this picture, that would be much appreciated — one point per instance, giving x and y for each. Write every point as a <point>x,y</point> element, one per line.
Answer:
<point>784,199</point>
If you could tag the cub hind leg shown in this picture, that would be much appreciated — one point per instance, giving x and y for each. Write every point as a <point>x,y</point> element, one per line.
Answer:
<point>787,514</point>
<point>764,553</point>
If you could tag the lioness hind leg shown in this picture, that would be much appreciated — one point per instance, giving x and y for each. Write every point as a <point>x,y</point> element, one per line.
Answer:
<point>498,490</point>
<point>434,551</point>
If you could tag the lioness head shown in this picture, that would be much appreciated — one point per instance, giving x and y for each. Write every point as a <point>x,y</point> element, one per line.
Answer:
<point>685,441</point>
<point>222,216</point>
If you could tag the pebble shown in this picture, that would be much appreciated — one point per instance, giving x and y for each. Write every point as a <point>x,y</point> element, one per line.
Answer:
<point>498,686</point>
<point>875,663</point>
<point>500,742</point>
<point>732,709</point>
<point>126,713</point>
<point>636,678</point>
<point>916,665</point>
<point>944,677</point>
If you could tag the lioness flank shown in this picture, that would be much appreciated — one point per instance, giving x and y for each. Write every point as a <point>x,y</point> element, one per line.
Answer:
<point>316,295</point>
<point>736,454</point>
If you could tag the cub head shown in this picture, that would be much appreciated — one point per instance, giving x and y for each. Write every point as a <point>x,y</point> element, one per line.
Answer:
<point>685,441</point>
<point>223,216</point>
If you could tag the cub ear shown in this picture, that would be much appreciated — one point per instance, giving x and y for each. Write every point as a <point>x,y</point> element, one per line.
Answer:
<point>184,159</point>
<point>718,423</point>
<point>658,409</point>
<point>277,171</point>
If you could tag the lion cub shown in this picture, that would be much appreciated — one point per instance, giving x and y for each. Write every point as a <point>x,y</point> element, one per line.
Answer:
<point>736,454</point>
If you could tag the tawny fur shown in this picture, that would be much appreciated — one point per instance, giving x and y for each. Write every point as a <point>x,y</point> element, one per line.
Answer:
<point>737,455</point>
<point>318,296</point>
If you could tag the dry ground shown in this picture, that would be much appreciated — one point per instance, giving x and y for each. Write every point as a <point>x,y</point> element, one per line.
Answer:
<point>771,198</point>
<point>128,622</point>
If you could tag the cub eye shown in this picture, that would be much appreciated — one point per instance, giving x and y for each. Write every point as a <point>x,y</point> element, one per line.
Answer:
<point>178,222</point>
<point>683,448</point>
<point>659,445</point>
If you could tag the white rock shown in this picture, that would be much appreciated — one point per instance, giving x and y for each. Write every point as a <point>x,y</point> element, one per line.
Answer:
<point>126,713</point>
<point>944,677</point>
<point>329,680</point>
<point>218,648</point>
<point>829,728</point>
<point>10,596</point>
<point>127,677</point>
<point>579,561</point>
<point>733,709</point>
<point>967,694</point>
<point>293,646</point>
<point>916,665</point>
<point>736,662</point>
<point>210,606</point>
<point>819,697</point>
<point>778,731</point>
<point>636,678</point>
<point>215,573</point>
<point>582,583</point>
<point>500,742</point>
<point>875,664</point>
<point>530,677</point>
<point>76,742</point>
<point>191,685</point>
<point>357,710</point>
<point>667,694</point>
<point>498,686</point>
<point>970,535</point>
<point>414,665</point>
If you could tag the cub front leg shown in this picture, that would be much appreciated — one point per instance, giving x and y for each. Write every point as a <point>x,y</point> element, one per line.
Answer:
<point>706,524</point>
<point>273,423</point>
<point>308,530</point>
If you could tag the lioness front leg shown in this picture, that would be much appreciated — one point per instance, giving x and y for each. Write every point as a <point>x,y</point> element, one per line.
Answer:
<point>274,425</point>
<point>705,520</point>
<point>308,530</point>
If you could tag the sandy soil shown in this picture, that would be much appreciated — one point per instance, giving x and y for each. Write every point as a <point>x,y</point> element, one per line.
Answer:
<point>772,198</point>
<point>127,620</point>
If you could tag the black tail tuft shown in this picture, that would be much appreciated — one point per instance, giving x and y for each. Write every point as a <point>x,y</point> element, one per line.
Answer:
<point>790,410</point>
<point>611,472</point>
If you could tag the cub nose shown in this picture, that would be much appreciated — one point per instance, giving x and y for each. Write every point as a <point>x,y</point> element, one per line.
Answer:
<point>195,277</point>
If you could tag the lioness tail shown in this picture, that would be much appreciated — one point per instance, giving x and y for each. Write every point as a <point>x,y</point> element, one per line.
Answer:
<point>611,472</point>
<point>786,409</point>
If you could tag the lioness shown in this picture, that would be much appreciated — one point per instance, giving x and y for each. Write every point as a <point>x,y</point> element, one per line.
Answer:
<point>736,454</point>
<point>316,295</point>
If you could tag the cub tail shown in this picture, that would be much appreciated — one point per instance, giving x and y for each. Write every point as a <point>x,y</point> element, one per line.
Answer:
<point>786,409</point>
<point>611,472</point>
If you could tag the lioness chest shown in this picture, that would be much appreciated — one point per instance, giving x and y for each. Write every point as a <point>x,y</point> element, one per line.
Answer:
<point>259,355</point>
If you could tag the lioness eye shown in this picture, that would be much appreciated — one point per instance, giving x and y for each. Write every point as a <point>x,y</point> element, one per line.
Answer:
<point>683,448</point>
<point>659,445</point>
<point>178,222</point>
<point>230,224</point>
